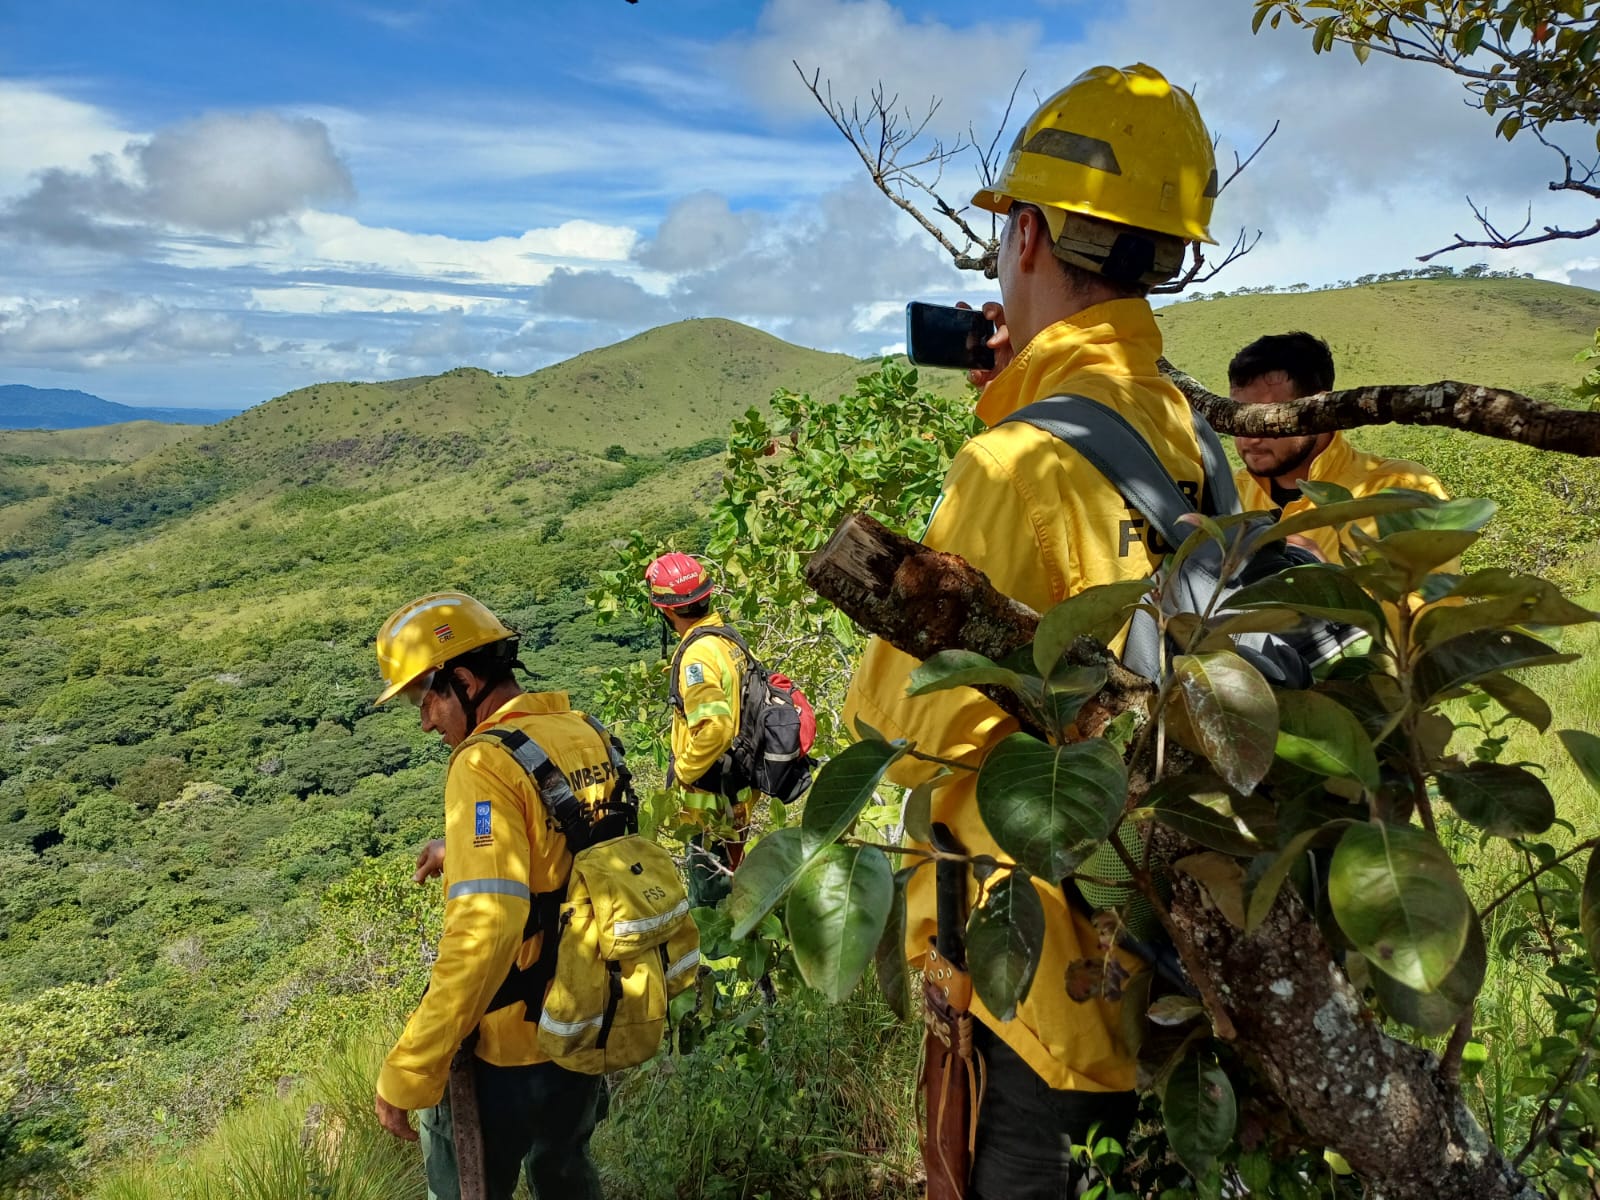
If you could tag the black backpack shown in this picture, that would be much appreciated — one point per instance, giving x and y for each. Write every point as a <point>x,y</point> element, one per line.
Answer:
<point>1116,449</point>
<point>772,750</point>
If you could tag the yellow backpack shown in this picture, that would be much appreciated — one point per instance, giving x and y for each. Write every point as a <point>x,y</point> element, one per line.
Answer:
<point>619,941</point>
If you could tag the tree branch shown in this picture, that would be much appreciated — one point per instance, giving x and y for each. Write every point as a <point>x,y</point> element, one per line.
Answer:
<point>1492,412</point>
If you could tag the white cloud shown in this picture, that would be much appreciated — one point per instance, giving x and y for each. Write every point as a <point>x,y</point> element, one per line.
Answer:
<point>224,173</point>
<point>698,231</point>
<point>858,44</point>
<point>335,241</point>
<point>307,298</point>
<point>41,129</point>
<point>107,327</point>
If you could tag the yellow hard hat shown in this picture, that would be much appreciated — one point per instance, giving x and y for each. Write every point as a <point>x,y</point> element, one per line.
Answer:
<point>427,633</point>
<point>1124,146</point>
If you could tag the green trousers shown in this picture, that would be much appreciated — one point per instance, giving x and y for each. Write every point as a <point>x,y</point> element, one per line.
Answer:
<point>538,1118</point>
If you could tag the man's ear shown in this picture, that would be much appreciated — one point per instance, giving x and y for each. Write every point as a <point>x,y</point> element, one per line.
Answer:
<point>466,679</point>
<point>1035,235</point>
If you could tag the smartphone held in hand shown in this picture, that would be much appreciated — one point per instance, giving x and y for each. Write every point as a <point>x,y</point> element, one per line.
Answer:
<point>940,335</point>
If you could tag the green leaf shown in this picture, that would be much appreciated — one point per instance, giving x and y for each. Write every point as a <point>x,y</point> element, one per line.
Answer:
<point>1472,37</point>
<point>1499,798</point>
<point>842,788</point>
<point>1435,1013</point>
<point>1399,900</point>
<point>1589,908</point>
<point>1585,751</point>
<point>1232,713</point>
<point>1343,512</point>
<point>836,915</point>
<point>1316,590</point>
<point>894,979</point>
<point>1097,613</point>
<point>1524,602</point>
<point>1199,1111</point>
<point>959,668</point>
<point>1004,940</point>
<point>1318,734</point>
<point>1417,552</point>
<point>1271,880</point>
<point>1049,806</point>
<point>1200,809</point>
<point>1518,699</point>
<point>764,879</point>
<point>916,816</point>
<point>1464,659</point>
<point>1469,514</point>
<point>1324,494</point>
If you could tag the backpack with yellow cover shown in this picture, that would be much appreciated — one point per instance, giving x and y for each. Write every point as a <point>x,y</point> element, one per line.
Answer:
<point>619,941</point>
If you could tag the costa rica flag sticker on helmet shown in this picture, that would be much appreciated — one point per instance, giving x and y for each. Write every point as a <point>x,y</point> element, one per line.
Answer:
<point>443,632</point>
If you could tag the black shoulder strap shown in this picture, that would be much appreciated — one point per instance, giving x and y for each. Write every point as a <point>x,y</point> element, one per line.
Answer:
<point>674,692</point>
<point>1221,496</point>
<point>1115,449</point>
<point>554,787</point>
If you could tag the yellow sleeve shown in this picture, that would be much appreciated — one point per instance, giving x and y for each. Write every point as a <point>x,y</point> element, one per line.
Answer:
<point>984,517</point>
<point>709,685</point>
<point>486,871</point>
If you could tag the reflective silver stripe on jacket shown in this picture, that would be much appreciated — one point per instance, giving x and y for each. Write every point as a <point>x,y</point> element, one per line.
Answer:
<point>569,1028</point>
<point>488,887</point>
<point>688,961</point>
<point>649,924</point>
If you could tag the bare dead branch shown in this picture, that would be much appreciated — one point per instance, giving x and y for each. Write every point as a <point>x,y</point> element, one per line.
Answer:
<point>1492,412</point>
<point>1239,166</point>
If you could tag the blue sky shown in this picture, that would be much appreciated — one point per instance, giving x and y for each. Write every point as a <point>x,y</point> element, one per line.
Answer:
<point>212,204</point>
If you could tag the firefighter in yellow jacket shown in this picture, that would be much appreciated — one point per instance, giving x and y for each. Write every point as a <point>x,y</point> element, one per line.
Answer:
<point>502,858</point>
<point>1287,366</point>
<point>1104,189</point>
<point>708,684</point>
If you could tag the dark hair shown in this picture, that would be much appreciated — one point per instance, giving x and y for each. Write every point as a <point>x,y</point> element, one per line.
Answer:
<point>491,663</point>
<point>1304,358</point>
<point>1081,278</point>
<point>695,610</point>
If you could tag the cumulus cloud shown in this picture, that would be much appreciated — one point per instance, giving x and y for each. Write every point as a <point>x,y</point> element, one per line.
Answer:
<point>41,129</point>
<point>225,173</point>
<point>601,295</point>
<point>698,231</point>
<point>857,44</point>
<point>109,327</point>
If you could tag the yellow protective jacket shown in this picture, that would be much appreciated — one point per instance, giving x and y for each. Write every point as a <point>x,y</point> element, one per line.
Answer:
<point>500,848</point>
<point>1360,472</point>
<point>711,681</point>
<point>1043,525</point>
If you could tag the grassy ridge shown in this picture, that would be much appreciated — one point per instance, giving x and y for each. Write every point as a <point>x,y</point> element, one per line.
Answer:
<point>1513,333</point>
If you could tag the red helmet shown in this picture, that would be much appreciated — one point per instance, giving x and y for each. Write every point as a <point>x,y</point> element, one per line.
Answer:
<point>677,579</point>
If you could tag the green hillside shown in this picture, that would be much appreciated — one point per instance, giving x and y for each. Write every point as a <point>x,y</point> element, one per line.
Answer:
<point>1516,333</point>
<point>206,830</point>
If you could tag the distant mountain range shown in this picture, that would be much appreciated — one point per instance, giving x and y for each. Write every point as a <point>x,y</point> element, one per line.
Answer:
<point>24,407</point>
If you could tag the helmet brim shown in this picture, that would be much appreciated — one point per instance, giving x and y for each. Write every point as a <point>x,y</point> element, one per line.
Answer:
<point>700,593</point>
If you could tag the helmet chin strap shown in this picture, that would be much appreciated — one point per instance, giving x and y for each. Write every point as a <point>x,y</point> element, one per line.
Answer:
<point>469,707</point>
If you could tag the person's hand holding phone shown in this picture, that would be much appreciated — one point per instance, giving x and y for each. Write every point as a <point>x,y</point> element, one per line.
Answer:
<point>999,342</point>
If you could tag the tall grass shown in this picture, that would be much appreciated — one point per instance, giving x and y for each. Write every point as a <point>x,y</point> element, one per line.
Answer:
<point>321,1141</point>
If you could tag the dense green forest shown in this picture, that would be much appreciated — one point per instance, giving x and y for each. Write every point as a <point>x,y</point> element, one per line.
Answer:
<point>206,830</point>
